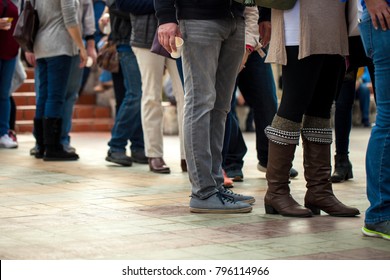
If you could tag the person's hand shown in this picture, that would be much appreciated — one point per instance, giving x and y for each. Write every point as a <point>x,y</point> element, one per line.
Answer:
<point>379,11</point>
<point>5,24</point>
<point>91,52</point>
<point>103,21</point>
<point>244,59</point>
<point>30,57</point>
<point>83,57</point>
<point>166,35</point>
<point>265,32</point>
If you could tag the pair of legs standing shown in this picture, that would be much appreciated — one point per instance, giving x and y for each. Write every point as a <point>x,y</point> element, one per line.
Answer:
<point>211,58</point>
<point>309,87</point>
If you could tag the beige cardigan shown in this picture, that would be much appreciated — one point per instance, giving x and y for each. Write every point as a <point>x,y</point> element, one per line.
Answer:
<point>323,30</point>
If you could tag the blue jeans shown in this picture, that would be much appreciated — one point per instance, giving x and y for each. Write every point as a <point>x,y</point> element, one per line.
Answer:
<point>363,94</point>
<point>72,91</point>
<point>211,58</point>
<point>7,68</point>
<point>53,80</point>
<point>234,147</point>
<point>256,83</point>
<point>128,119</point>
<point>377,45</point>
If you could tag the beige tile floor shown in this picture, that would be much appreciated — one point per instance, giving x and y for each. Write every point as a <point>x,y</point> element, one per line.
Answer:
<point>91,209</point>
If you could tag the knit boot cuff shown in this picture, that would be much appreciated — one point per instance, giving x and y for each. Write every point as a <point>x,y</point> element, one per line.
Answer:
<point>317,130</point>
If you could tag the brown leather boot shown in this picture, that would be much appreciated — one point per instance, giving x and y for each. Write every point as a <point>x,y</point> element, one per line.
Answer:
<point>157,165</point>
<point>278,199</point>
<point>319,195</point>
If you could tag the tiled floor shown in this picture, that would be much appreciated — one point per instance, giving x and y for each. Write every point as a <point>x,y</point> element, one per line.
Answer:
<point>91,209</point>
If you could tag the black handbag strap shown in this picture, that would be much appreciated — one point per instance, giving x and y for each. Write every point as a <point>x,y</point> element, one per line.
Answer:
<point>5,8</point>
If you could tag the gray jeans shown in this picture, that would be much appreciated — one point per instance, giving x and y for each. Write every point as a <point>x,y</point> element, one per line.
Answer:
<point>212,53</point>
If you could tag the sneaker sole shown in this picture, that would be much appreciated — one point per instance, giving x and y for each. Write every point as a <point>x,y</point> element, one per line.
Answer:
<point>8,147</point>
<point>372,233</point>
<point>221,211</point>
<point>249,201</point>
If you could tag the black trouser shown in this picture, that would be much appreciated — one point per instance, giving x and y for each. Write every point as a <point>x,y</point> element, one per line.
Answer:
<point>346,96</point>
<point>309,85</point>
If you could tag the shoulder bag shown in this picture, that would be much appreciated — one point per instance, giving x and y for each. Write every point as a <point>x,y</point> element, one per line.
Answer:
<point>27,27</point>
<point>107,58</point>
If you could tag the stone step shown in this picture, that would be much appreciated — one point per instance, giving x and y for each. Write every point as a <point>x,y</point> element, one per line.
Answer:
<point>27,86</point>
<point>27,112</point>
<point>28,98</point>
<point>78,125</point>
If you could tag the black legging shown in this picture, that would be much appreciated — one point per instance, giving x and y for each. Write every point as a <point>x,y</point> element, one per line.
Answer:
<point>309,85</point>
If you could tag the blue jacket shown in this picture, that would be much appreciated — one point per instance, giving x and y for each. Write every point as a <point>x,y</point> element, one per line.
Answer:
<point>137,7</point>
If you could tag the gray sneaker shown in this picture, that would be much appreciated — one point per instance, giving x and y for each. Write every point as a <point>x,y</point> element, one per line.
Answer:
<point>237,197</point>
<point>218,204</point>
<point>119,158</point>
<point>377,230</point>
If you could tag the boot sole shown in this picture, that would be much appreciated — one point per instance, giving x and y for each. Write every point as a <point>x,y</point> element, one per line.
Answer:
<point>221,211</point>
<point>59,159</point>
<point>118,162</point>
<point>272,211</point>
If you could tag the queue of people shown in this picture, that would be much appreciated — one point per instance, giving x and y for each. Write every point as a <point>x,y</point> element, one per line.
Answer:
<point>309,41</point>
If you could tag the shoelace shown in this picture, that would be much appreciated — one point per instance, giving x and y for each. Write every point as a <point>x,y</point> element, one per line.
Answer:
<point>223,198</point>
<point>227,191</point>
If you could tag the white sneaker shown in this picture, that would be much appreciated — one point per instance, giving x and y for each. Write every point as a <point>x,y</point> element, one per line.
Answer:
<point>7,142</point>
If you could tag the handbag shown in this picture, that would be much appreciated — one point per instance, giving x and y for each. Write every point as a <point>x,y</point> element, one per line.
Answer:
<point>276,4</point>
<point>107,57</point>
<point>27,27</point>
<point>157,48</point>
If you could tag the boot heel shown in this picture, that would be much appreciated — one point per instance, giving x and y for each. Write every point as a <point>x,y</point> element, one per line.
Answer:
<point>270,210</point>
<point>315,210</point>
<point>349,175</point>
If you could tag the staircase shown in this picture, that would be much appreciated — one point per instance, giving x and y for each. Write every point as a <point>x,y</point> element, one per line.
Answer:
<point>87,116</point>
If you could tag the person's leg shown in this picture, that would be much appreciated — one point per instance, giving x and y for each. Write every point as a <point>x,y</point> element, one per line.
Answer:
<point>7,68</point>
<point>119,88</point>
<point>58,71</point>
<point>72,89</point>
<point>299,82</point>
<point>343,124</point>
<point>128,119</point>
<point>257,86</point>
<point>317,139</point>
<point>151,67</point>
<point>377,219</point>
<point>210,61</point>
<point>235,146</point>
<point>363,94</point>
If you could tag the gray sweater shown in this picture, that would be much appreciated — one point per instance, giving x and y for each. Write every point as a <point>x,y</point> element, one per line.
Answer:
<point>53,38</point>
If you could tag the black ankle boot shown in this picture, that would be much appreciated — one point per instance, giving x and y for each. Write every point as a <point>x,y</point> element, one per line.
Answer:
<point>54,151</point>
<point>342,169</point>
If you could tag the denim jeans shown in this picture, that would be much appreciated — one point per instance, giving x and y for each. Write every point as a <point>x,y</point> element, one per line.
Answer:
<point>7,68</point>
<point>377,45</point>
<point>234,147</point>
<point>72,91</point>
<point>128,119</point>
<point>256,83</point>
<point>212,54</point>
<point>363,94</point>
<point>53,80</point>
